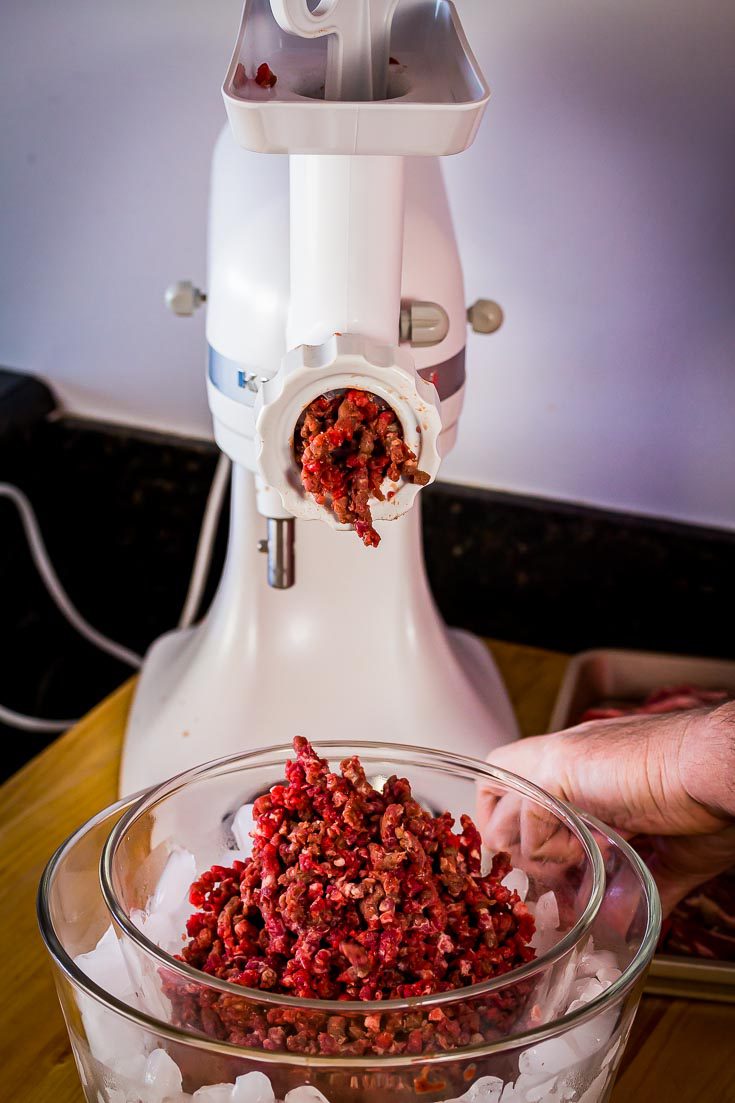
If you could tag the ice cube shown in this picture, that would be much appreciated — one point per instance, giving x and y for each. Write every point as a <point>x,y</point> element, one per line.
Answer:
<point>151,998</point>
<point>130,1067</point>
<point>164,929</point>
<point>536,1093</point>
<point>518,1092</point>
<point>133,962</point>
<point>106,966</point>
<point>547,1057</point>
<point>138,918</point>
<point>485,1090</point>
<point>242,825</point>
<point>215,1093</point>
<point>557,990</point>
<point>590,1037</point>
<point>516,881</point>
<point>174,883</point>
<point>596,1090</point>
<point>110,1038</point>
<point>546,913</point>
<point>162,1077</point>
<point>156,927</point>
<point>608,974</point>
<point>595,960</point>
<point>589,990</point>
<point>144,974</point>
<point>253,1087</point>
<point>306,1094</point>
<point>114,1095</point>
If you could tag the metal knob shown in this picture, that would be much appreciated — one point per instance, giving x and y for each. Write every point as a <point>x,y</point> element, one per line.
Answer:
<point>485,316</point>
<point>424,324</point>
<point>183,298</point>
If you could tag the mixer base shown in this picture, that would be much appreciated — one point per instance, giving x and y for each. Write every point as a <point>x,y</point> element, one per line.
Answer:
<point>357,649</point>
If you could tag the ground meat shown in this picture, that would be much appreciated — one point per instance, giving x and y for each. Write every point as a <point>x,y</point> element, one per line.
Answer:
<point>703,925</point>
<point>264,76</point>
<point>347,444</point>
<point>353,894</point>
<point>668,699</point>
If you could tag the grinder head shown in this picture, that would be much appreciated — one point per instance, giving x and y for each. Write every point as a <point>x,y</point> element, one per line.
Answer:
<point>344,362</point>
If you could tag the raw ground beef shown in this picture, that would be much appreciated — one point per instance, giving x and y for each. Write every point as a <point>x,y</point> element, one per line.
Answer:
<point>347,444</point>
<point>353,894</point>
<point>668,699</point>
<point>703,924</point>
<point>264,76</point>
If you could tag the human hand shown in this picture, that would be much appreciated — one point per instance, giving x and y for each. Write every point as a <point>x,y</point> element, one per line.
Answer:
<point>665,781</point>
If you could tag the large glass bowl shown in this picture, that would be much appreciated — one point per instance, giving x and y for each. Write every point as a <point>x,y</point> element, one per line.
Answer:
<point>566,1015</point>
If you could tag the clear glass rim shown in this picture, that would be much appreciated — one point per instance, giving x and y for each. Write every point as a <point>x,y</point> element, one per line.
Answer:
<point>401,754</point>
<point>617,990</point>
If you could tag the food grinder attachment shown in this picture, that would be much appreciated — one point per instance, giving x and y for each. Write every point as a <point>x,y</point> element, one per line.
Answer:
<point>346,248</point>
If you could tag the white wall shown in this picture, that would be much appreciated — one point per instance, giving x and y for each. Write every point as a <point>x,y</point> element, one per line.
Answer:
<point>598,206</point>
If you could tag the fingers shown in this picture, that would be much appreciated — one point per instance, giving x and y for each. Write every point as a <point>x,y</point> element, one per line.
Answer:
<point>643,775</point>
<point>542,845</point>
<point>530,758</point>
<point>625,771</point>
<point>535,836</point>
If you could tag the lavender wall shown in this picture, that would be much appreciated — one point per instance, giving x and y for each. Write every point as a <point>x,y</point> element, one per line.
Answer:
<point>597,207</point>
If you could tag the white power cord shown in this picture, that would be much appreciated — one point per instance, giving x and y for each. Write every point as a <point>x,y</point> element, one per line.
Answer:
<point>51,581</point>
<point>61,599</point>
<point>205,545</point>
<point>32,723</point>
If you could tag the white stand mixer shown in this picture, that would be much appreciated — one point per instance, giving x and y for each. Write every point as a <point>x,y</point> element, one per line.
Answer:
<point>335,266</point>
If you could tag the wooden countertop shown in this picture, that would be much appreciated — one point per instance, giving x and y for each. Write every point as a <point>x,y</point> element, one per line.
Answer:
<point>678,1050</point>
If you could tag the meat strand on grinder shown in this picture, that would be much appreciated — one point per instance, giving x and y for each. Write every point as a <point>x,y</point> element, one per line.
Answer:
<point>347,445</point>
<point>353,894</point>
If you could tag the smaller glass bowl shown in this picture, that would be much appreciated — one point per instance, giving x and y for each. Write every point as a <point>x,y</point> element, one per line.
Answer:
<point>193,814</point>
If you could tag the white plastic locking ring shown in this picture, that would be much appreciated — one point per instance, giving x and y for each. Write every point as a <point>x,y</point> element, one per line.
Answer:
<point>341,363</point>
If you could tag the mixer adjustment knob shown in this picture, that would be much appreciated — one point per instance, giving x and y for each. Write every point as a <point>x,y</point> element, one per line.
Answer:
<point>485,316</point>
<point>183,298</point>
<point>424,324</point>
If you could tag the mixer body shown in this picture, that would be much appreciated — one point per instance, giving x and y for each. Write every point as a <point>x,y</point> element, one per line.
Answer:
<point>333,268</point>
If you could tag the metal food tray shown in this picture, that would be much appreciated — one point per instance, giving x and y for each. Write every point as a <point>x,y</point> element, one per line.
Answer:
<point>600,675</point>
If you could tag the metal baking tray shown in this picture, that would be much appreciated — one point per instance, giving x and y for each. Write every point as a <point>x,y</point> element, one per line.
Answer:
<point>594,676</point>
